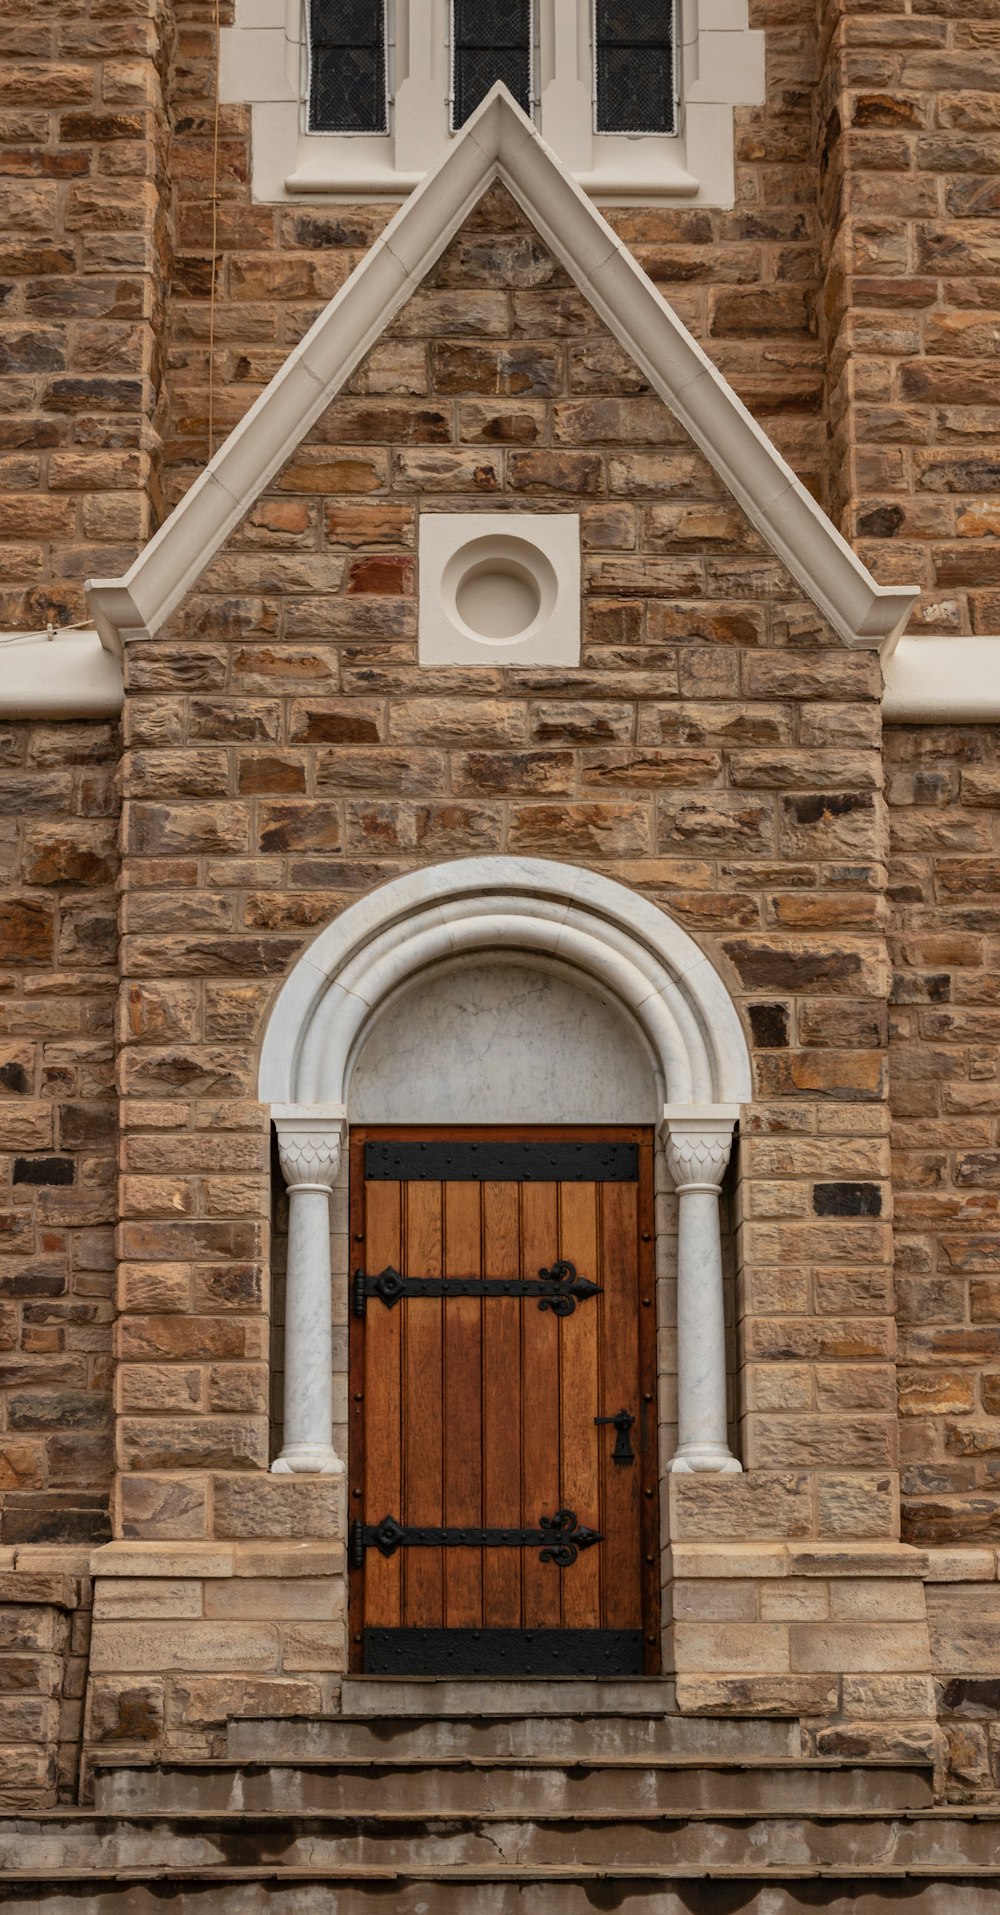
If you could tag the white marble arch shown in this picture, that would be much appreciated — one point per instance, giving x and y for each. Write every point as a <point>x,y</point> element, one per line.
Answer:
<point>589,935</point>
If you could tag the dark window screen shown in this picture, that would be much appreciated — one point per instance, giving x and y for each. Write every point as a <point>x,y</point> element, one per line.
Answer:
<point>635,66</point>
<point>492,41</point>
<point>347,66</point>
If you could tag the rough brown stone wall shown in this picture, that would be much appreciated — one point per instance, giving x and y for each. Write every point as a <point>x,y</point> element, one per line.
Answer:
<point>83,262</point>
<point>58,1117</point>
<point>907,149</point>
<point>45,1605</point>
<point>718,750</point>
<point>944,788</point>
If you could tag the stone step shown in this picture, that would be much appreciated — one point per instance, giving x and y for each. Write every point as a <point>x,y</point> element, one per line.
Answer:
<point>313,1892</point>
<point>555,1738</point>
<point>669,1785</point>
<point>926,1843</point>
<point>366,1696</point>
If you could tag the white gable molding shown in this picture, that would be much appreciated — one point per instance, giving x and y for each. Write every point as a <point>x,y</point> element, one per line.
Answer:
<point>590,923</point>
<point>499,142</point>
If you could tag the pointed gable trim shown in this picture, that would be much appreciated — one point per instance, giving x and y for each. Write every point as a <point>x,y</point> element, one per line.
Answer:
<point>500,142</point>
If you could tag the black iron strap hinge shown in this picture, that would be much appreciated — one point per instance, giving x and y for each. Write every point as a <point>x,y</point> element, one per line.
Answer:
<point>558,1539</point>
<point>558,1289</point>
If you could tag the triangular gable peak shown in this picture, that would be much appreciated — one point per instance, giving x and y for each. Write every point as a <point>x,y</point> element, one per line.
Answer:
<point>499,142</point>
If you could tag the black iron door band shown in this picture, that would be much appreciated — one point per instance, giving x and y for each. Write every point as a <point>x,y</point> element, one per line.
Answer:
<point>503,1652</point>
<point>558,1289</point>
<point>501,1160</point>
<point>558,1539</point>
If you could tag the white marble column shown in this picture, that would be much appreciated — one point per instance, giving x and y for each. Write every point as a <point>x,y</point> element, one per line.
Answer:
<point>309,1146</point>
<point>698,1146</point>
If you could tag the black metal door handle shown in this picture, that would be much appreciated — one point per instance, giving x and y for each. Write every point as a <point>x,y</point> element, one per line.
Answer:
<point>623,1454</point>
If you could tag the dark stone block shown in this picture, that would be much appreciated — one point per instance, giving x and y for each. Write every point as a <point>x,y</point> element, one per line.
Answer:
<point>44,1170</point>
<point>769,1026</point>
<point>970,1696</point>
<point>70,1516</point>
<point>847,1200</point>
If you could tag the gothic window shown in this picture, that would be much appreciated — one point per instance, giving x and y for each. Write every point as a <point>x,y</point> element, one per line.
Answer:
<point>491,41</point>
<point>347,76</point>
<point>634,66</point>
<point>359,99</point>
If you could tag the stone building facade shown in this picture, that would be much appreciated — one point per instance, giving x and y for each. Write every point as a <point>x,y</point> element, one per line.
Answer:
<point>717,790</point>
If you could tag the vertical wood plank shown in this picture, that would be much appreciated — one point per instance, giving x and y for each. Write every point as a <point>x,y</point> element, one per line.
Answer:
<point>621,1486</point>
<point>423,1433</point>
<point>502,1406</point>
<point>541,1605</point>
<point>383,1486</point>
<point>578,1399</point>
<point>648,1444</point>
<point>463,1406</point>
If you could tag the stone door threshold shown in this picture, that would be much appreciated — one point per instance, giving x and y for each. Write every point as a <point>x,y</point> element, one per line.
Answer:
<point>556,1696</point>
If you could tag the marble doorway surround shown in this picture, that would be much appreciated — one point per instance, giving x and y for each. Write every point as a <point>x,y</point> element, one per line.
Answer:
<point>586,931</point>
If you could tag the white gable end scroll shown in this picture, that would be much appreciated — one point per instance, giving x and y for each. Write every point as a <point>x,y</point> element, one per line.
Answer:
<point>500,142</point>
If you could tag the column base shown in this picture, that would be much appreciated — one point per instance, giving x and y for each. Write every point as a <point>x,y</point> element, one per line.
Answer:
<point>308,1459</point>
<point>698,1459</point>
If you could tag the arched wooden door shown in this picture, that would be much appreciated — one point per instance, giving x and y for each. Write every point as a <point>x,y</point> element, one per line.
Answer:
<point>503,1480</point>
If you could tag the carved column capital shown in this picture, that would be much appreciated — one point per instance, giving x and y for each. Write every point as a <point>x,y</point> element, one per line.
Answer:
<point>698,1148</point>
<point>310,1141</point>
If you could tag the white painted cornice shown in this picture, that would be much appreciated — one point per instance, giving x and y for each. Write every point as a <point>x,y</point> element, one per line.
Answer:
<point>70,676</point>
<point>932,681</point>
<point>500,142</point>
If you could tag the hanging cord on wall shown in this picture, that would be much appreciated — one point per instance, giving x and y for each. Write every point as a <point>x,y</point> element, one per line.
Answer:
<point>46,631</point>
<point>215,236</point>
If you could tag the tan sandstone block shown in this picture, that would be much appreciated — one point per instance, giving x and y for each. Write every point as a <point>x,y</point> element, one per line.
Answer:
<point>770,1695</point>
<point>897,1696</point>
<point>702,1601</point>
<point>734,1648</point>
<point>195,1646</point>
<point>162,1559</point>
<point>793,1601</point>
<point>138,1597</point>
<point>311,1599</point>
<point>313,1645</point>
<point>292,1558</point>
<point>256,1505</point>
<point>728,1559</point>
<point>208,1701</point>
<point>893,1601</point>
<point>765,1505</point>
<point>876,1647</point>
<point>961,1565</point>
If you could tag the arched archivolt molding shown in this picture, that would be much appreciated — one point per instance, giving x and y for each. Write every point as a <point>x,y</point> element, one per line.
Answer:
<point>564,916</point>
<point>592,924</point>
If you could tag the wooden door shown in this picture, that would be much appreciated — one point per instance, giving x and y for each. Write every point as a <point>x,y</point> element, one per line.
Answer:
<point>502,1520</point>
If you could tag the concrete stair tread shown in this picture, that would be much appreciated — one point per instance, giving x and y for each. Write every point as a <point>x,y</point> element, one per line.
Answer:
<point>553,1737</point>
<point>427,1819</point>
<point>363,1697</point>
<point>808,1764</point>
<point>540,1873</point>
